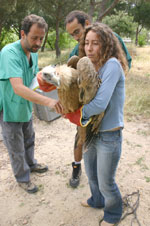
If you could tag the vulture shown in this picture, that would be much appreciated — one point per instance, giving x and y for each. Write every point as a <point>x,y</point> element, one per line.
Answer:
<point>77,83</point>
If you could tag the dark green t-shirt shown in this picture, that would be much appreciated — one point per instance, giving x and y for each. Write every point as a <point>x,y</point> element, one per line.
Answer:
<point>129,59</point>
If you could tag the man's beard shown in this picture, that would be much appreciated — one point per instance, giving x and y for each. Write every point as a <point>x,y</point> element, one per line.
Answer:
<point>33,49</point>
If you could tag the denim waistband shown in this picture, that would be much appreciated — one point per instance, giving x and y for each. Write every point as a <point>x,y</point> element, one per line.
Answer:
<point>117,132</point>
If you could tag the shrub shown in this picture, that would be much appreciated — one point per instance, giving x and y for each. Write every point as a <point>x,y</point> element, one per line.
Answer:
<point>7,37</point>
<point>65,40</point>
<point>141,40</point>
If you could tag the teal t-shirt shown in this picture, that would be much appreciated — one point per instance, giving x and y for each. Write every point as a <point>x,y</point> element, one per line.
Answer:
<point>0,91</point>
<point>13,64</point>
<point>75,51</point>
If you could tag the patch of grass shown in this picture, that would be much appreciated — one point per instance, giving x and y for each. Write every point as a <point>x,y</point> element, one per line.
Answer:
<point>137,96</point>
<point>68,185</point>
<point>143,132</point>
<point>21,204</point>
<point>148,75</point>
<point>137,102</point>
<point>145,167</point>
<point>139,161</point>
<point>41,188</point>
<point>49,58</point>
<point>147,179</point>
<point>131,49</point>
<point>82,186</point>
<point>57,172</point>
<point>129,143</point>
<point>138,145</point>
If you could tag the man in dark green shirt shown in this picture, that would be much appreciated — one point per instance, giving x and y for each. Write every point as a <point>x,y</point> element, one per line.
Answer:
<point>75,22</point>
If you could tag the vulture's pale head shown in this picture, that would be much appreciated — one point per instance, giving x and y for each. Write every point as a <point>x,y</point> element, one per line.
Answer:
<point>50,75</point>
<point>60,76</point>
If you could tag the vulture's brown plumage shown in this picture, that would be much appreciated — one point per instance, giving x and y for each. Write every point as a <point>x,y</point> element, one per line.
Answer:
<point>77,83</point>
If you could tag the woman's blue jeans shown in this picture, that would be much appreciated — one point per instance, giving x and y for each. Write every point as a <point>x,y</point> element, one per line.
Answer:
<point>101,161</point>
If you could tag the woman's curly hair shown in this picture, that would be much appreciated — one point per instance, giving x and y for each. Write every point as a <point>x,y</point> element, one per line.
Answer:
<point>110,45</point>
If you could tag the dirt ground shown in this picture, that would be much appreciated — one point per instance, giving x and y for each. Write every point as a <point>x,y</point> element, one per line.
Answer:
<point>56,203</point>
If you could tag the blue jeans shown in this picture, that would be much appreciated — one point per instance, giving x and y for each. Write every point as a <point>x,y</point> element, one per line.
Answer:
<point>101,160</point>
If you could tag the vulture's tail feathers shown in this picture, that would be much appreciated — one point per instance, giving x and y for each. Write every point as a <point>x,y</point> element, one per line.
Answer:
<point>93,128</point>
<point>89,135</point>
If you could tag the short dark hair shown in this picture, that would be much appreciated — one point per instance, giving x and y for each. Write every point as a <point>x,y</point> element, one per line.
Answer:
<point>79,15</point>
<point>31,19</point>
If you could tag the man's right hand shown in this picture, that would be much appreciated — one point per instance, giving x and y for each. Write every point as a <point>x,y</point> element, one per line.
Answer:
<point>56,106</point>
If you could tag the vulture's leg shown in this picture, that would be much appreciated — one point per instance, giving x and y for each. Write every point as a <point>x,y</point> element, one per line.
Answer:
<point>79,141</point>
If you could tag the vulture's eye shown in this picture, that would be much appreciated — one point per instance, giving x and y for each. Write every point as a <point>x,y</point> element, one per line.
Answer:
<point>46,74</point>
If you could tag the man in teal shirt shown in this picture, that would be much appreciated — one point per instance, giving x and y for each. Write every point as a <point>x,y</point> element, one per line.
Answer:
<point>75,24</point>
<point>18,66</point>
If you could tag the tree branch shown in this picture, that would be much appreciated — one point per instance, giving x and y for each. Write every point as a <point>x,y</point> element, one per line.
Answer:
<point>101,15</point>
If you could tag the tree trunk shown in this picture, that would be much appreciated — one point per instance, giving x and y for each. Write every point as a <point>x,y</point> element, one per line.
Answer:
<point>138,30</point>
<point>44,43</point>
<point>0,34</point>
<point>0,29</point>
<point>92,8</point>
<point>103,12</point>
<point>57,40</point>
<point>49,43</point>
<point>136,37</point>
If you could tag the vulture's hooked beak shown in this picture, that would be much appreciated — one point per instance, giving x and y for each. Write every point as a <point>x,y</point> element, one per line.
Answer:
<point>50,75</point>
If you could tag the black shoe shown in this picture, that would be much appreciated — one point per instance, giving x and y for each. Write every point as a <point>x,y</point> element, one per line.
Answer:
<point>75,180</point>
<point>39,168</point>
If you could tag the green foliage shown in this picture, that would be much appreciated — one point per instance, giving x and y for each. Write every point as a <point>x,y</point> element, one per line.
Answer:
<point>7,8</point>
<point>7,37</point>
<point>51,40</point>
<point>140,10</point>
<point>55,11</point>
<point>65,40</point>
<point>141,40</point>
<point>121,6</point>
<point>147,179</point>
<point>13,11</point>
<point>121,23</point>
